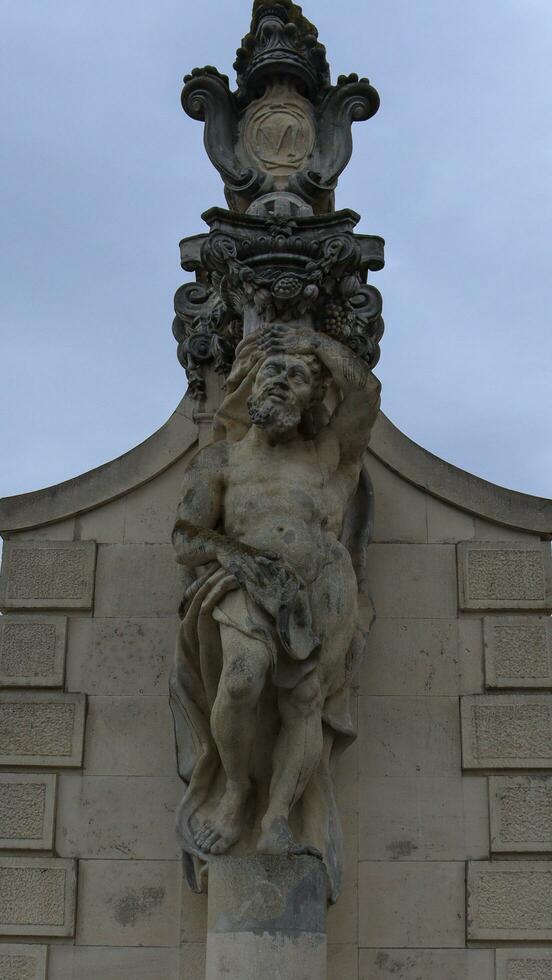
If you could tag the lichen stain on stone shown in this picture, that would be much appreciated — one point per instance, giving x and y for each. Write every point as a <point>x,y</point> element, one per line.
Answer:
<point>401,848</point>
<point>392,966</point>
<point>135,905</point>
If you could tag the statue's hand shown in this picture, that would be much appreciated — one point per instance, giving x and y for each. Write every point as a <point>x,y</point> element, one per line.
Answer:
<point>265,577</point>
<point>283,338</point>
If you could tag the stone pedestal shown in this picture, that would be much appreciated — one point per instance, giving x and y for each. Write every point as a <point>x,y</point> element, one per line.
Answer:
<point>267,918</point>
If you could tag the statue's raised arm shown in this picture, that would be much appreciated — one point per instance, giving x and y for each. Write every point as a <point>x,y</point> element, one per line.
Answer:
<point>352,421</point>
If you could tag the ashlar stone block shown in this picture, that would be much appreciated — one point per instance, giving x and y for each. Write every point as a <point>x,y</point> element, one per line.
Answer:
<point>504,575</point>
<point>412,656</point>
<point>518,651</point>
<point>32,651</point>
<point>44,574</point>
<point>41,729</point>
<point>415,904</point>
<point>423,819</point>
<point>401,736</point>
<point>510,900</point>
<point>117,816</point>
<point>427,964</point>
<point>37,896</point>
<point>130,737</point>
<point>129,903</point>
<point>27,805</point>
<point>524,964</point>
<point>521,813</point>
<point>507,731</point>
<point>19,962</point>
<point>98,963</point>
<point>121,656</point>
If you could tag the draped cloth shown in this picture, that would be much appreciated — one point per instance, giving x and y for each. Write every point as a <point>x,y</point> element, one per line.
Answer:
<point>214,599</point>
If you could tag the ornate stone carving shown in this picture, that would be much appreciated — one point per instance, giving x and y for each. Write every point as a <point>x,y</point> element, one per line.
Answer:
<point>266,266</point>
<point>286,127</point>
<point>273,524</point>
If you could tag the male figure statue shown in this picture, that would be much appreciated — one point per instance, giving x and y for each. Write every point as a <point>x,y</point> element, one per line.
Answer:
<point>270,628</point>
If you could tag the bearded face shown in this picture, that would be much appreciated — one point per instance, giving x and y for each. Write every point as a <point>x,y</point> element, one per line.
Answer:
<point>284,389</point>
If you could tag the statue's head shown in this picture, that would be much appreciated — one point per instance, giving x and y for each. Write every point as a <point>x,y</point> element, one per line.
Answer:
<point>286,388</point>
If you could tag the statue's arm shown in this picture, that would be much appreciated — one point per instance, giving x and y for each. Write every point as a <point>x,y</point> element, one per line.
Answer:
<point>200,509</point>
<point>354,418</point>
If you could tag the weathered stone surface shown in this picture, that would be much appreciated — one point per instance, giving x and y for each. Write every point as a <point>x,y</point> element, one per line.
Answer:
<point>32,651</point>
<point>37,896</point>
<point>20,962</point>
<point>393,913</point>
<point>150,510</point>
<point>129,737</point>
<point>423,819</point>
<point>267,915</point>
<point>412,656</point>
<point>446,524</point>
<point>507,731</point>
<point>343,962</point>
<point>470,654</point>
<point>416,581</point>
<point>399,508</point>
<point>193,925</point>
<point>104,525</point>
<point>117,817</point>
<point>27,806</point>
<point>437,964</point>
<point>192,961</point>
<point>518,651</point>
<point>401,736</point>
<point>97,963</point>
<point>504,575</point>
<point>47,575</point>
<point>521,813</point>
<point>128,903</point>
<point>41,729</point>
<point>510,900</point>
<point>524,964</point>
<point>121,656</point>
<point>120,592</point>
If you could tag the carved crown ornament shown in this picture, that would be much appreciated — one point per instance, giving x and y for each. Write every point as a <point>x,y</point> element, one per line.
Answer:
<point>282,253</point>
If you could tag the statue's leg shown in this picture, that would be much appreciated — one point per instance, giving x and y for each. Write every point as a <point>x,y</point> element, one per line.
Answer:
<point>296,756</point>
<point>246,661</point>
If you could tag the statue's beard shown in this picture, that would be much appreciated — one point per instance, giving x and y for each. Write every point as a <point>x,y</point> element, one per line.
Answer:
<point>277,417</point>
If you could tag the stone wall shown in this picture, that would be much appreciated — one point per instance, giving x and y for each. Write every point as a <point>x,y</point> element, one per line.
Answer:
<point>446,796</point>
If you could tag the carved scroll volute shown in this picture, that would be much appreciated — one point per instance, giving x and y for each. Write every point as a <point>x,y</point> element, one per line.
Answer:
<point>351,100</point>
<point>206,96</point>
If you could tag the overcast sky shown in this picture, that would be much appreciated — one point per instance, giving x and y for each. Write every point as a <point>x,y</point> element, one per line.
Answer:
<point>103,173</point>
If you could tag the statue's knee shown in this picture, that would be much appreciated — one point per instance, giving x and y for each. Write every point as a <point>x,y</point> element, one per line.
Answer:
<point>243,681</point>
<point>306,697</point>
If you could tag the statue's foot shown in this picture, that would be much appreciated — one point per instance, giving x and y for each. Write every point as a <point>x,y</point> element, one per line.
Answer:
<point>217,834</point>
<point>276,838</point>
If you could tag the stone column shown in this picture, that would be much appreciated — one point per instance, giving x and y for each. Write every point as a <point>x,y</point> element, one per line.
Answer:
<point>267,918</point>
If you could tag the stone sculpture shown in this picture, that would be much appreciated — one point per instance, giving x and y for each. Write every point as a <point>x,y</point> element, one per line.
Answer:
<point>275,513</point>
<point>270,633</point>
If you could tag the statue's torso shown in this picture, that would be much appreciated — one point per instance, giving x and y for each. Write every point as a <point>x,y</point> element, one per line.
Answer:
<point>283,499</point>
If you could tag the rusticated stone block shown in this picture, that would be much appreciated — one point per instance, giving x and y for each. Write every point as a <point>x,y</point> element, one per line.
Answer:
<point>18,962</point>
<point>507,731</point>
<point>41,729</point>
<point>43,574</point>
<point>27,803</point>
<point>37,897</point>
<point>510,900</point>
<point>504,575</point>
<point>524,964</point>
<point>518,651</point>
<point>32,651</point>
<point>521,813</point>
